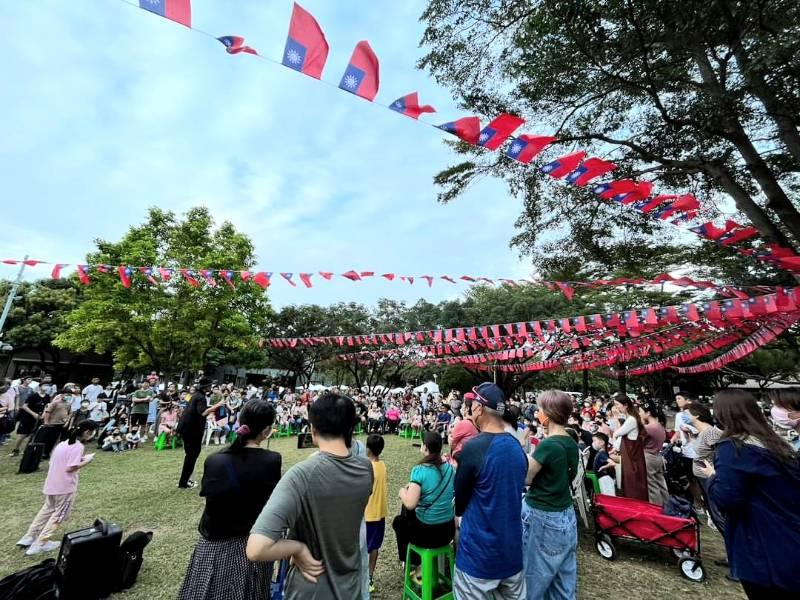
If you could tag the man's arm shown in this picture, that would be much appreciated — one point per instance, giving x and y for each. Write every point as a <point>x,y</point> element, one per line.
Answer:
<point>470,460</point>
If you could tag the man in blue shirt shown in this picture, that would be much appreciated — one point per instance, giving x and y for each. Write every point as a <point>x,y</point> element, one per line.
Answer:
<point>490,479</point>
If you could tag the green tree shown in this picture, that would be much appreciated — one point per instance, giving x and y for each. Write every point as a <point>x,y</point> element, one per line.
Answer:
<point>172,326</point>
<point>39,314</point>
<point>699,96</point>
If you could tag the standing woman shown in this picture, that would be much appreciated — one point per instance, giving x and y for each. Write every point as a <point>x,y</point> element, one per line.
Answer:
<point>653,418</point>
<point>755,482</point>
<point>634,466</point>
<point>704,445</point>
<point>549,530</point>
<point>237,482</point>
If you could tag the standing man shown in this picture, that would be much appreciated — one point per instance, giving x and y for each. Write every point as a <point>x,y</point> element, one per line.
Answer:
<point>140,408</point>
<point>490,479</point>
<point>321,502</point>
<point>55,417</point>
<point>91,391</point>
<point>191,428</point>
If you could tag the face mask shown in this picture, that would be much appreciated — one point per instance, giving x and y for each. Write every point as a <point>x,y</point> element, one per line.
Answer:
<point>544,419</point>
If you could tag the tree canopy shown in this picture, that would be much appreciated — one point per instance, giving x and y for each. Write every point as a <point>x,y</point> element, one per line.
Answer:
<point>172,326</point>
<point>698,96</point>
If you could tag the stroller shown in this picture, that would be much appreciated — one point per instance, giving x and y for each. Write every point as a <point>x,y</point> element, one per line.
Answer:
<point>676,473</point>
<point>631,519</point>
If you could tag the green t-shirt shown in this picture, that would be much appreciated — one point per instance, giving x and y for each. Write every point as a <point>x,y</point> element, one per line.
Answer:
<point>550,490</point>
<point>432,480</point>
<point>141,408</point>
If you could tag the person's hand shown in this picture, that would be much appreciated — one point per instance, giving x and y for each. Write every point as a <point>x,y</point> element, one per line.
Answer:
<point>310,568</point>
<point>707,470</point>
<point>88,458</point>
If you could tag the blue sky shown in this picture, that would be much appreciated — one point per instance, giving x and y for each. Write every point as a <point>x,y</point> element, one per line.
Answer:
<point>109,110</point>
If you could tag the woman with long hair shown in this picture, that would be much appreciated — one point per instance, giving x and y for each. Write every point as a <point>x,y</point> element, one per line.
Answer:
<point>59,489</point>
<point>237,482</point>
<point>755,482</point>
<point>428,500</point>
<point>653,418</point>
<point>704,444</point>
<point>632,434</point>
<point>549,530</point>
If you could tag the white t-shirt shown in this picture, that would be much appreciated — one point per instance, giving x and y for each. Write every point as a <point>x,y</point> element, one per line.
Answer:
<point>682,419</point>
<point>629,429</point>
<point>91,392</point>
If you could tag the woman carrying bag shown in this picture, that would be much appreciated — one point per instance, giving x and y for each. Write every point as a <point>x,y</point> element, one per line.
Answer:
<point>427,519</point>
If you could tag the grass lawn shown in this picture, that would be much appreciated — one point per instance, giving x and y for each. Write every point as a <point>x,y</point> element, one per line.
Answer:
<point>137,490</point>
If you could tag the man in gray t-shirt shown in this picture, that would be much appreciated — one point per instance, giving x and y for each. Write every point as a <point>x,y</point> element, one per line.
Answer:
<point>320,502</point>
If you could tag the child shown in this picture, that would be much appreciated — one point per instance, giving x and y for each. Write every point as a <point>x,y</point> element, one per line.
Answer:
<point>133,439</point>
<point>113,442</point>
<point>59,489</point>
<point>378,505</point>
<point>152,414</point>
<point>603,465</point>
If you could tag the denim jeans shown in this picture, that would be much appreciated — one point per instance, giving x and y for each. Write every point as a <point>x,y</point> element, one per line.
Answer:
<point>549,542</point>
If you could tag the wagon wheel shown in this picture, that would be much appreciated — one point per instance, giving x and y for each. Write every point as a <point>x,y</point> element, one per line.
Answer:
<point>605,547</point>
<point>692,569</point>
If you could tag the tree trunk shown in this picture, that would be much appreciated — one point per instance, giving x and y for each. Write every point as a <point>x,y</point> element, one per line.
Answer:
<point>622,379</point>
<point>585,383</point>
<point>777,199</point>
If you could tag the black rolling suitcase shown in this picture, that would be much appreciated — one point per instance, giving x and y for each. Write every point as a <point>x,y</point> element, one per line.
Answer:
<point>33,453</point>
<point>88,562</point>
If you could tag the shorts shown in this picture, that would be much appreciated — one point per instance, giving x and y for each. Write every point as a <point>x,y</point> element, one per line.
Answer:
<point>138,419</point>
<point>467,587</point>
<point>375,532</point>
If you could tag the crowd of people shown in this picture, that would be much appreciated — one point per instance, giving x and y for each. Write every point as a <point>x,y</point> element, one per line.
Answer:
<point>502,492</point>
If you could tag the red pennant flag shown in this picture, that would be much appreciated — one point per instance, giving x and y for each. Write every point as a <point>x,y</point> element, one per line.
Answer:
<point>306,279</point>
<point>10,261</point>
<point>410,280</point>
<point>526,147</point>
<point>498,131</point>
<point>467,278</point>
<point>227,276</point>
<point>166,274</point>
<point>362,75</point>
<point>352,276</point>
<point>389,276</point>
<point>83,274</point>
<point>770,304</point>
<point>326,275</point>
<point>467,129</point>
<point>262,279</point>
<point>429,279</point>
<point>179,11</point>
<point>613,320</point>
<point>596,321</point>
<point>148,273</point>
<point>690,310</point>
<point>563,164</point>
<point>448,278</point>
<point>189,277</point>
<point>711,311</point>
<point>367,274</point>
<point>56,272</point>
<point>306,47</point>
<point>591,168</point>
<point>566,289</point>
<point>208,275</point>
<point>580,324</point>
<point>732,309</point>
<point>409,106</point>
<point>650,317</point>
<point>234,44</point>
<point>245,275</point>
<point>784,301</point>
<point>631,320</point>
<point>565,326</point>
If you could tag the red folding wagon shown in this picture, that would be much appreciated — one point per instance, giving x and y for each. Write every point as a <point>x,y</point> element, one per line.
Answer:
<point>629,519</point>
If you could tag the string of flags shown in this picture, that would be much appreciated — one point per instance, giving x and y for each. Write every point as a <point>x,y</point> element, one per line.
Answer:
<point>306,51</point>
<point>194,276</point>
<point>726,314</point>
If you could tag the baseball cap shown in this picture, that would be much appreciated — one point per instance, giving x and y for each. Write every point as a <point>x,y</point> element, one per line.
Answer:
<point>491,396</point>
<point>469,396</point>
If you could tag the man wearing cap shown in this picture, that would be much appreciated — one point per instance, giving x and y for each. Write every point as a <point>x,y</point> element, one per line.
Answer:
<point>490,479</point>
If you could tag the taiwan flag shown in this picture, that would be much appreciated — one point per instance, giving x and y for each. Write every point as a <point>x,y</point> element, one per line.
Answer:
<point>234,44</point>
<point>409,106</point>
<point>498,131</point>
<point>564,164</point>
<point>306,47</point>
<point>525,147</point>
<point>362,77</point>
<point>590,169</point>
<point>466,128</point>
<point>179,11</point>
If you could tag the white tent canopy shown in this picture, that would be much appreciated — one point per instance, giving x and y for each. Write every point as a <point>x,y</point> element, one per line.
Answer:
<point>433,387</point>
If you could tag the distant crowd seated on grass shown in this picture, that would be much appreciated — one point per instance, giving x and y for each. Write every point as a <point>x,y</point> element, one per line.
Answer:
<point>493,490</point>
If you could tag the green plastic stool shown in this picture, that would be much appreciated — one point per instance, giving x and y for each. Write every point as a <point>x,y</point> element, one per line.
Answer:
<point>161,442</point>
<point>432,580</point>
<point>284,431</point>
<point>359,429</point>
<point>405,431</point>
<point>591,476</point>
<point>416,435</point>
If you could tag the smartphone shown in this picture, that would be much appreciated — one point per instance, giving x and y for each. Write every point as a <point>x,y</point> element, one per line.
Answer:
<point>304,441</point>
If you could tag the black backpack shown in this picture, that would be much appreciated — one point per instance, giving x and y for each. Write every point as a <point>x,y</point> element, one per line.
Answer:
<point>34,583</point>
<point>131,556</point>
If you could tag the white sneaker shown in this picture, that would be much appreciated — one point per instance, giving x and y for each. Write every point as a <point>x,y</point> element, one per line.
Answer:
<point>26,541</point>
<point>40,548</point>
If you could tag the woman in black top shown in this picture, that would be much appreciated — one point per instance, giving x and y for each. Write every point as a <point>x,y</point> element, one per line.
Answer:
<point>237,482</point>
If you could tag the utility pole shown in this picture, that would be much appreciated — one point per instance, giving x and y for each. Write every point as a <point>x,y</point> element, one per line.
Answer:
<point>12,295</point>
